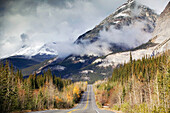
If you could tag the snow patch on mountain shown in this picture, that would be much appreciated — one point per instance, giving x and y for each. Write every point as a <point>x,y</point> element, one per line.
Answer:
<point>86,71</point>
<point>122,14</point>
<point>97,61</point>
<point>124,57</point>
<point>59,68</point>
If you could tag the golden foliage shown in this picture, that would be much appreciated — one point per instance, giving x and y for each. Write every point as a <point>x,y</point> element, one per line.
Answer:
<point>76,90</point>
<point>58,100</point>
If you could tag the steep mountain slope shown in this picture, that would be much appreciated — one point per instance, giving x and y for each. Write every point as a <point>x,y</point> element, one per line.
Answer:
<point>160,43</point>
<point>129,14</point>
<point>162,31</point>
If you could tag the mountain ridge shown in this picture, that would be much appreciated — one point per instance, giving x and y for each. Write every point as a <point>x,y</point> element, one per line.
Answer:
<point>123,16</point>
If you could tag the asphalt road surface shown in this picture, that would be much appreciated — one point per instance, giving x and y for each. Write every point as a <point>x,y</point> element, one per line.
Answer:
<point>86,105</point>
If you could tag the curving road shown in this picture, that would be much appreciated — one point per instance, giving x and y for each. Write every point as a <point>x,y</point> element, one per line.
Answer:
<point>86,105</point>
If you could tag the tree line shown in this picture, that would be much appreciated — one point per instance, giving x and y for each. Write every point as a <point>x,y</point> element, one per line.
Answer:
<point>140,86</point>
<point>36,92</point>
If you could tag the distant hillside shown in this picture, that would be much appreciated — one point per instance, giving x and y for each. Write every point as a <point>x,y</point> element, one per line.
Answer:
<point>20,62</point>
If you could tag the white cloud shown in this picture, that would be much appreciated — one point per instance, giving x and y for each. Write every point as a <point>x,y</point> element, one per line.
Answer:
<point>129,36</point>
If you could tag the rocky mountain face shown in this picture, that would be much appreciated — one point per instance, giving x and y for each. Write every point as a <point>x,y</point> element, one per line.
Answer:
<point>161,33</point>
<point>162,29</point>
<point>128,14</point>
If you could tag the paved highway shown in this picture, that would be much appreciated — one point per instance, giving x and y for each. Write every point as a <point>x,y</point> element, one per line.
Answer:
<point>86,105</point>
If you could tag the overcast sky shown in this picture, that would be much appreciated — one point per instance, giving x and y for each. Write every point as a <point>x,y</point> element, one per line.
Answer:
<point>35,22</point>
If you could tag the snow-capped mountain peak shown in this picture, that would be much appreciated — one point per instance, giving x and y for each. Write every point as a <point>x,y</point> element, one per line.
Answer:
<point>29,51</point>
<point>117,26</point>
<point>48,49</point>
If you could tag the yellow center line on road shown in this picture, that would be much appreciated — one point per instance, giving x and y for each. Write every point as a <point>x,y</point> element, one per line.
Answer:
<point>73,110</point>
<point>84,107</point>
<point>87,102</point>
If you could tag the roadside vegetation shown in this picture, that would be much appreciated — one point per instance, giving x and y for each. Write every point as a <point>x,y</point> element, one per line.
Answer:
<point>36,92</point>
<point>140,86</point>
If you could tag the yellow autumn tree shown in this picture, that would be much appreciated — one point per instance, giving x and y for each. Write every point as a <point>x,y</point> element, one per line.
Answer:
<point>76,90</point>
<point>76,94</point>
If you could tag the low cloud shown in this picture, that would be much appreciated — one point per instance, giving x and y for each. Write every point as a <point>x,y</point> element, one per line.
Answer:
<point>129,36</point>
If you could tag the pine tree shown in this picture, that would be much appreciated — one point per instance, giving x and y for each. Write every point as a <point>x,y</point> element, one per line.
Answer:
<point>3,87</point>
<point>131,58</point>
